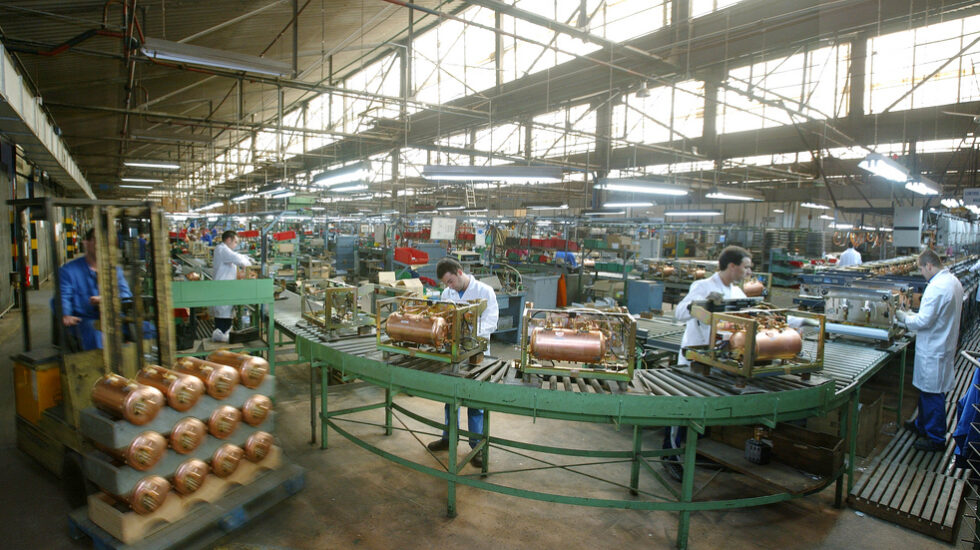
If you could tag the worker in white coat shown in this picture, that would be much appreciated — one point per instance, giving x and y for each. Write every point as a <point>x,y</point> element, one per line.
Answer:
<point>974,268</point>
<point>462,288</point>
<point>849,257</point>
<point>937,328</point>
<point>226,264</point>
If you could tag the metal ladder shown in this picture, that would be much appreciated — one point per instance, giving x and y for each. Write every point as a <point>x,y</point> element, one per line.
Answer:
<point>470,197</point>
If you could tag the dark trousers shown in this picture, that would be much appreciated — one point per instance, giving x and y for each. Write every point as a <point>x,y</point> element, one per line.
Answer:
<point>932,415</point>
<point>222,324</point>
<point>475,424</point>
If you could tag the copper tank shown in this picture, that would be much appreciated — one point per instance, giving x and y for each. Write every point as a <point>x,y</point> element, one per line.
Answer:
<point>193,276</point>
<point>258,445</point>
<point>190,476</point>
<point>225,460</point>
<point>413,327</point>
<point>220,380</point>
<point>256,409</point>
<point>668,271</point>
<point>224,421</point>
<point>699,273</point>
<point>753,287</point>
<point>771,344</point>
<point>187,435</point>
<point>148,494</point>
<point>182,390</point>
<point>123,398</point>
<point>567,345</point>
<point>143,452</point>
<point>251,369</point>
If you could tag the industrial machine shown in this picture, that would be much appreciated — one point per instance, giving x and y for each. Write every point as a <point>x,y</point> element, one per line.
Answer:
<point>754,341</point>
<point>583,343</point>
<point>438,330</point>
<point>332,306</point>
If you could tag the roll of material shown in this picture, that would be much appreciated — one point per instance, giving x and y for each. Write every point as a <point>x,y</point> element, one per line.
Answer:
<point>413,285</point>
<point>853,330</point>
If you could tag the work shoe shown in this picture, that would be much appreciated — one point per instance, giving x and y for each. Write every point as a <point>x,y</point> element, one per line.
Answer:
<point>477,461</point>
<point>439,445</point>
<point>219,336</point>
<point>928,445</point>
<point>911,426</point>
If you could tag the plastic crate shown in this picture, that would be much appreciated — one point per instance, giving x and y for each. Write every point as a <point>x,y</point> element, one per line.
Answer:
<point>411,256</point>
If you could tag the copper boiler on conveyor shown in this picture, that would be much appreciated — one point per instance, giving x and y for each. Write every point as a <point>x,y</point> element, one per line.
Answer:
<point>190,475</point>
<point>182,390</point>
<point>251,369</point>
<point>148,495</point>
<point>256,409</point>
<point>668,270</point>
<point>226,459</point>
<point>412,327</point>
<point>224,421</point>
<point>187,434</point>
<point>123,398</point>
<point>143,452</point>
<point>753,288</point>
<point>560,344</point>
<point>771,343</point>
<point>220,380</point>
<point>258,445</point>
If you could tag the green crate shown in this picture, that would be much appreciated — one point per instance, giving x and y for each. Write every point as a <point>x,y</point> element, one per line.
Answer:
<point>612,267</point>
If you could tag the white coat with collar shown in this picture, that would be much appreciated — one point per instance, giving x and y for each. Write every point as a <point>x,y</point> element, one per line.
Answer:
<point>976,267</point>
<point>697,333</point>
<point>476,290</point>
<point>849,257</point>
<point>226,263</point>
<point>937,329</point>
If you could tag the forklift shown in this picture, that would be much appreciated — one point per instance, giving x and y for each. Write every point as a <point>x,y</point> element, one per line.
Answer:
<point>53,384</point>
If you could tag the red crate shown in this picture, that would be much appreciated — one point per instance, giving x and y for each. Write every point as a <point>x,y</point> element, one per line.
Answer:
<point>411,256</point>
<point>540,243</point>
<point>250,234</point>
<point>462,236</point>
<point>284,235</point>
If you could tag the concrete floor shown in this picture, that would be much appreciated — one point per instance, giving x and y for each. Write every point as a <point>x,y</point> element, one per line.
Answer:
<point>356,499</point>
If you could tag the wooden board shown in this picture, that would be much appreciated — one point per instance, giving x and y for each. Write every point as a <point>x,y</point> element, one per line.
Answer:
<point>776,474</point>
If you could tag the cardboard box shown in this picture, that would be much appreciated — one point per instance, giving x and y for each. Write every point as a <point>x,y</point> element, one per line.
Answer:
<point>813,452</point>
<point>870,412</point>
<point>286,248</point>
<point>604,288</point>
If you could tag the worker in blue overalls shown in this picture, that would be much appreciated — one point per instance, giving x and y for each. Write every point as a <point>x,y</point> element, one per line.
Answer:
<point>80,299</point>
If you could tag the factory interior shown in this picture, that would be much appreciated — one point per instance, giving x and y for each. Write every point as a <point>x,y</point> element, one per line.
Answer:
<point>490,274</point>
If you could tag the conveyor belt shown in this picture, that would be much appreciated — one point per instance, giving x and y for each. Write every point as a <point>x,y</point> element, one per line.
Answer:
<point>921,491</point>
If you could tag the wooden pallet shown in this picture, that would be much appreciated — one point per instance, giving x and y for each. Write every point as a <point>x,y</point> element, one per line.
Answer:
<point>187,523</point>
<point>921,491</point>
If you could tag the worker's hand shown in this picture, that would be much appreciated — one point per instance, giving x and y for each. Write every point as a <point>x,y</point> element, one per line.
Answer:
<point>900,316</point>
<point>70,320</point>
<point>95,300</point>
<point>716,297</point>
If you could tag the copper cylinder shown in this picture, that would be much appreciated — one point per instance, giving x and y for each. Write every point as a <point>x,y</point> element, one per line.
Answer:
<point>771,344</point>
<point>181,390</point>
<point>193,276</point>
<point>256,409</point>
<point>143,452</point>
<point>187,434</point>
<point>224,421</point>
<point>190,475</point>
<point>668,271</point>
<point>220,380</point>
<point>753,287</point>
<point>123,398</point>
<point>225,460</point>
<point>258,445</point>
<point>251,369</point>
<point>567,345</point>
<point>412,327</point>
<point>699,273</point>
<point>148,495</point>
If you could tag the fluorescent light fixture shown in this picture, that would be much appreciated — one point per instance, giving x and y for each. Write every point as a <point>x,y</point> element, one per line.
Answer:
<point>426,212</point>
<point>885,229</point>
<point>358,171</point>
<point>510,174</point>
<point>209,206</point>
<point>285,194</point>
<point>950,202</point>
<point>735,195</point>
<point>604,212</point>
<point>271,190</point>
<point>923,186</point>
<point>165,50</point>
<point>778,211</point>
<point>242,197</point>
<point>815,206</point>
<point>145,136</point>
<point>317,208</point>
<point>692,213</point>
<point>546,206</point>
<point>142,180</point>
<point>451,207</point>
<point>627,204</point>
<point>646,187</point>
<point>842,226</point>
<point>151,164</point>
<point>136,186</point>
<point>826,217</point>
<point>884,167</point>
<point>348,188</point>
<point>475,211</point>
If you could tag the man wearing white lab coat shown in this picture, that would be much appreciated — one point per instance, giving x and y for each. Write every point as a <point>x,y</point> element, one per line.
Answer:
<point>226,264</point>
<point>849,257</point>
<point>937,327</point>
<point>975,267</point>
<point>462,288</point>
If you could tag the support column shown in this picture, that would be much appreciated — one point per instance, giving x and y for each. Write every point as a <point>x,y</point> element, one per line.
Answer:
<point>859,54</point>
<point>453,435</point>
<point>687,486</point>
<point>709,131</point>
